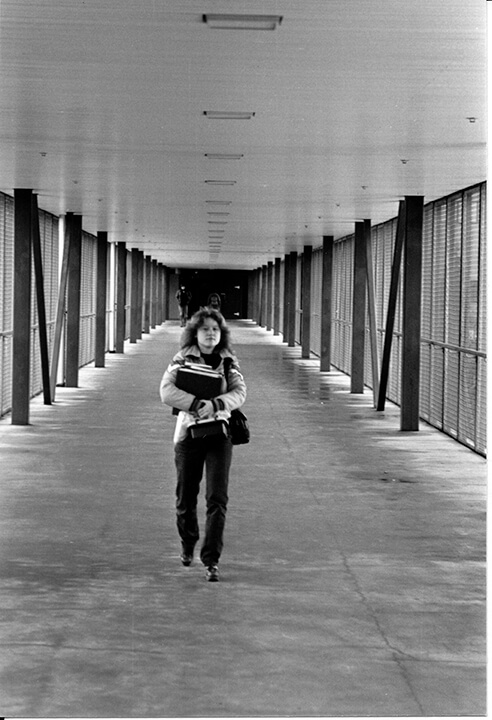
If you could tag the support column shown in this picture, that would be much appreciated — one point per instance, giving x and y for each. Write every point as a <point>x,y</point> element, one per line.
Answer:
<point>326,304</point>
<point>269,303</point>
<point>292,292</point>
<point>154,293</point>
<point>251,286</point>
<point>38,272</point>
<point>147,270</point>
<point>134,309</point>
<point>276,297</point>
<point>140,294</point>
<point>21,339</point>
<point>286,297</point>
<point>307,256</point>
<point>101,291</point>
<point>120,297</point>
<point>166,292</point>
<point>257,295</point>
<point>412,291</point>
<point>263,302</point>
<point>358,311</point>
<point>73,301</point>
<point>159,289</point>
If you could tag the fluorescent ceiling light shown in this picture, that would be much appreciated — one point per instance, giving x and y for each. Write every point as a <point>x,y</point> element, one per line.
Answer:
<point>223,156</point>
<point>219,202</point>
<point>211,212</point>
<point>228,115</point>
<point>220,182</point>
<point>242,22</point>
<point>217,222</point>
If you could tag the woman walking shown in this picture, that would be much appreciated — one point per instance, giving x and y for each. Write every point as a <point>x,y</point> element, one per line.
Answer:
<point>206,341</point>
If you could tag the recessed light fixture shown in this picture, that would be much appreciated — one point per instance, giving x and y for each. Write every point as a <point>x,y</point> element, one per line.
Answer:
<point>220,182</point>
<point>223,156</point>
<point>212,212</point>
<point>219,202</point>
<point>228,115</point>
<point>217,222</point>
<point>242,22</point>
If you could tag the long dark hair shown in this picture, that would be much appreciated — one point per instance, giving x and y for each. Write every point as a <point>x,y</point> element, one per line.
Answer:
<point>188,338</point>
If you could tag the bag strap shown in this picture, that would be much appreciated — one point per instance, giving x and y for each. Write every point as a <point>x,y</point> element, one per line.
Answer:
<point>227,366</point>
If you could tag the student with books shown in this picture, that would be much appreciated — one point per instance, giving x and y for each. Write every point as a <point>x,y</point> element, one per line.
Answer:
<point>205,351</point>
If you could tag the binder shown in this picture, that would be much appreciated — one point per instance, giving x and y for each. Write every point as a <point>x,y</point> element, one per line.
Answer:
<point>200,381</point>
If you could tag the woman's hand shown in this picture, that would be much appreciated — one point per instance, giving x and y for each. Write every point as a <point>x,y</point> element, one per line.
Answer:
<point>205,409</point>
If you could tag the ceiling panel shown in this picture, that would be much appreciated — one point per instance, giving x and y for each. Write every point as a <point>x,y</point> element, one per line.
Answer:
<point>356,104</point>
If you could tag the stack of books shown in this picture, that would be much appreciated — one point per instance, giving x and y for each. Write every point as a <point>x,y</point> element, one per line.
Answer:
<point>199,380</point>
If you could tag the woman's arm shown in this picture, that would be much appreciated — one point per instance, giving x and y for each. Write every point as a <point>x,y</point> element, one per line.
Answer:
<point>173,396</point>
<point>236,389</point>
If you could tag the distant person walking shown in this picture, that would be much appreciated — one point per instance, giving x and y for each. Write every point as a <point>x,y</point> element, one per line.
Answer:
<point>183,296</point>
<point>205,341</point>
<point>213,302</point>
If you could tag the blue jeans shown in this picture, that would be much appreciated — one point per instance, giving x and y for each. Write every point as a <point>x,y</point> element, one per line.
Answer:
<point>215,453</point>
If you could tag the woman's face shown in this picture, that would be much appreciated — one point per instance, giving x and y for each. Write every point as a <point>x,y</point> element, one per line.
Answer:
<point>208,335</point>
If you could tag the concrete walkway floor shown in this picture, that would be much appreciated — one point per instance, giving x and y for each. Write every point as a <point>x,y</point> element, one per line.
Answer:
<point>352,581</point>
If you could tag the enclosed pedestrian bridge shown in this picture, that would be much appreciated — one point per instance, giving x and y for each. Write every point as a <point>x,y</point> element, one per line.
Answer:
<point>321,166</point>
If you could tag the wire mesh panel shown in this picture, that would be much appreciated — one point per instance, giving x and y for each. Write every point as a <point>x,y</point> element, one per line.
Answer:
<point>436,329</point>
<point>426,323</point>
<point>48,235</point>
<point>87,299</point>
<point>452,314</point>
<point>316,281</point>
<point>343,262</point>
<point>6,299</point>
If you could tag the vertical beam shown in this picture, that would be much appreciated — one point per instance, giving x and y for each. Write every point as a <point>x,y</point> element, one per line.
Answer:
<point>140,294</point>
<point>371,311</point>
<point>258,295</point>
<point>292,292</point>
<point>146,293</point>
<point>154,293</point>
<point>358,312</point>
<point>286,297</point>
<point>166,292</point>
<point>412,291</point>
<point>101,291</point>
<point>276,297</point>
<point>38,272</point>
<point>120,297</point>
<point>159,289</point>
<point>60,310</point>
<point>269,303</point>
<point>263,303</point>
<point>307,256</point>
<point>73,301</point>
<point>251,313</point>
<point>392,300</point>
<point>326,294</point>
<point>134,316</point>
<point>21,341</point>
